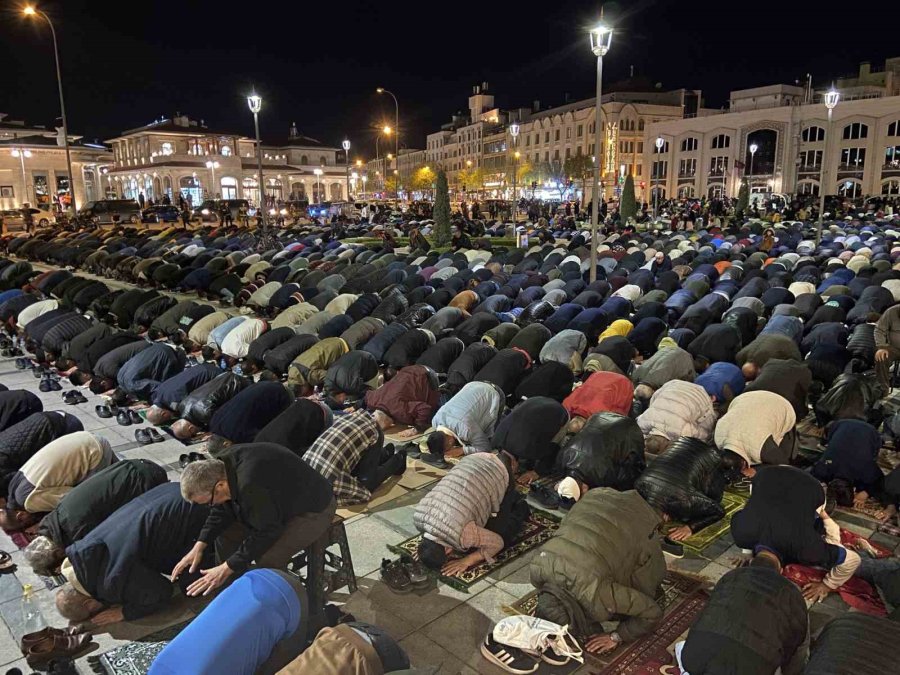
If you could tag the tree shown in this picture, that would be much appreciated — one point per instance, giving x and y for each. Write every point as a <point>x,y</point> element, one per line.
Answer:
<point>469,179</point>
<point>580,167</point>
<point>420,180</point>
<point>556,174</point>
<point>627,204</point>
<point>743,200</point>
<point>441,210</point>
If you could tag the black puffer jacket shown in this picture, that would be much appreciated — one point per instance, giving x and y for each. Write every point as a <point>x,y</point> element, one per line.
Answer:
<point>363,306</point>
<point>408,347</point>
<point>79,345</point>
<point>416,315</point>
<point>147,313</point>
<point>279,358</point>
<point>391,307</point>
<point>686,482</point>
<point>350,373</point>
<point>22,440</point>
<point>199,406</point>
<point>856,643</point>
<point>57,338</point>
<point>475,326</point>
<point>269,341</point>
<point>471,361</point>
<point>607,452</point>
<point>506,370</point>
<point>537,312</point>
<point>381,343</point>
<point>853,395</point>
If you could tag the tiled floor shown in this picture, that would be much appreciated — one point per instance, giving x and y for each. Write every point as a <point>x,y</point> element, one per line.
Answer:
<point>441,627</point>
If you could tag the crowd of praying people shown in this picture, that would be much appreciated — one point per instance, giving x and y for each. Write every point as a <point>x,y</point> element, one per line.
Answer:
<point>630,397</point>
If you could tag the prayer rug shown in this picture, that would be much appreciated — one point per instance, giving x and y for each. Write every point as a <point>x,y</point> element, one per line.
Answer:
<point>21,539</point>
<point>856,592</point>
<point>681,597</point>
<point>699,541</point>
<point>858,542</point>
<point>539,527</point>
<point>870,508</point>
<point>136,657</point>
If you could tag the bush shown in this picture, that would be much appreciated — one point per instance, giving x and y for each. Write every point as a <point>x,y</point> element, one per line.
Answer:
<point>441,210</point>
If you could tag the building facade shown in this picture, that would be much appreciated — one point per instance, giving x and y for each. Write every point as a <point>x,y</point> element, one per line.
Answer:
<point>780,140</point>
<point>33,167</point>
<point>181,156</point>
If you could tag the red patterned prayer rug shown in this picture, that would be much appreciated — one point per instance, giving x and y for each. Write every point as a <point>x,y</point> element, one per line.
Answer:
<point>857,592</point>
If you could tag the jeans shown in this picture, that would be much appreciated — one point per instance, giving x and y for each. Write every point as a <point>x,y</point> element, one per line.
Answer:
<point>876,571</point>
<point>377,464</point>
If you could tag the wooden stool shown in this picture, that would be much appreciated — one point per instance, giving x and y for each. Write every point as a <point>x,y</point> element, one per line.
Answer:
<point>326,571</point>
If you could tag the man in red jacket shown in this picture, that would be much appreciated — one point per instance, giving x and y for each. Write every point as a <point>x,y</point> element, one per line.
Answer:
<point>410,397</point>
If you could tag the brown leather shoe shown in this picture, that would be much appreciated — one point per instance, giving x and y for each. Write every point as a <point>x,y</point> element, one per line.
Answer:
<point>32,639</point>
<point>57,647</point>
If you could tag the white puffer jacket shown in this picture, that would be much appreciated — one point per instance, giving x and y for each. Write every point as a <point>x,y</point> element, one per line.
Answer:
<point>679,408</point>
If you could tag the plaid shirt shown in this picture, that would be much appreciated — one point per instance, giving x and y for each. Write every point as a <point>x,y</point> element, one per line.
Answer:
<point>337,451</point>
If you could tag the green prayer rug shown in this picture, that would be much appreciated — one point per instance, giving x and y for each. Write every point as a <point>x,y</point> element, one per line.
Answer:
<point>697,542</point>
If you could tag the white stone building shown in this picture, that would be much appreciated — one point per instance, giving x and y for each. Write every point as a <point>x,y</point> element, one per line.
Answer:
<point>787,128</point>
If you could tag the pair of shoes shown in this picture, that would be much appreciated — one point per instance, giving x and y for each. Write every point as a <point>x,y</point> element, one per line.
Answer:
<point>412,450</point>
<point>31,639</point>
<point>187,458</point>
<point>672,548</point>
<point>510,659</point>
<point>128,417</point>
<point>543,495</point>
<point>50,383</point>
<point>74,397</point>
<point>23,363</point>
<point>38,372</point>
<point>106,411</point>
<point>148,436</point>
<point>398,575</point>
<point>566,503</point>
<point>56,646</point>
<point>7,566</point>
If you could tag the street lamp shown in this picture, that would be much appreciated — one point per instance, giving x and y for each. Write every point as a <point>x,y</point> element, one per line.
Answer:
<point>365,179</point>
<point>659,146</point>
<point>753,148</point>
<point>318,173</point>
<point>22,154</point>
<point>831,100</point>
<point>346,146</point>
<point>601,39</point>
<point>382,90</point>
<point>31,11</point>
<point>254,101</point>
<point>514,132</point>
<point>212,166</point>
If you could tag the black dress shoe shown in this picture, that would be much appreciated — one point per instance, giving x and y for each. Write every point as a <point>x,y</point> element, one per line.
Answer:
<point>156,436</point>
<point>45,385</point>
<point>123,419</point>
<point>103,411</point>
<point>134,417</point>
<point>142,436</point>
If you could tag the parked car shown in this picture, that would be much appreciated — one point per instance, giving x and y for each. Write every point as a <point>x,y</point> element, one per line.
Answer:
<point>209,209</point>
<point>160,214</point>
<point>14,218</point>
<point>106,211</point>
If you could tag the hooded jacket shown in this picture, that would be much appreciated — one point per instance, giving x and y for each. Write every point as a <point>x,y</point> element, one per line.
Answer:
<point>472,415</point>
<point>601,392</point>
<point>669,363</point>
<point>604,556</point>
<point>679,408</point>
<point>410,397</point>
<point>607,452</point>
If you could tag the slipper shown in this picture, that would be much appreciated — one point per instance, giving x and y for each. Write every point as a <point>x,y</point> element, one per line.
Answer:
<point>543,495</point>
<point>55,385</point>
<point>77,397</point>
<point>184,460</point>
<point>197,457</point>
<point>143,437</point>
<point>7,566</point>
<point>44,386</point>
<point>394,574</point>
<point>418,575</point>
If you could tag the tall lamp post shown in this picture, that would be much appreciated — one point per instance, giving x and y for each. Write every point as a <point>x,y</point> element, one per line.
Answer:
<point>659,146</point>
<point>31,11</point>
<point>318,173</point>
<point>365,179</point>
<point>382,90</point>
<point>514,132</point>
<point>831,100</point>
<point>753,148</point>
<point>601,38</point>
<point>22,154</point>
<point>346,146</point>
<point>212,166</point>
<point>254,101</point>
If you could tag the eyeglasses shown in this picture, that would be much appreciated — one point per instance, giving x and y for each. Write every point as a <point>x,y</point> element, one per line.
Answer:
<point>212,495</point>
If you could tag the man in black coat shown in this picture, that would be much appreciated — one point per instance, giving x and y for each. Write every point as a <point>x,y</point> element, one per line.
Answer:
<point>80,344</point>
<point>787,378</point>
<point>685,484</point>
<point>754,622</point>
<point>86,506</point>
<point>506,370</point>
<point>268,505</point>
<point>142,374</point>
<point>171,392</point>
<point>116,572</point>
<point>106,369</point>
<point>462,371</point>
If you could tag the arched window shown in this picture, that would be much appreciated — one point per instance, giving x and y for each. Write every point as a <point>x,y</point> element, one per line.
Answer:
<point>716,191</point>
<point>641,124</point>
<point>894,128</point>
<point>689,144</point>
<point>167,186</point>
<point>322,161</point>
<point>855,131</point>
<point>337,192</point>
<point>721,141</point>
<point>298,190</point>
<point>229,187</point>
<point>226,152</point>
<point>813,135</point>
<point>850,188</point>
<point>250,188</point>
<point>167,149</point>
<point>808,187</point>
<point>685,191</point>
<point>891,187</point>
<point>304,159</point>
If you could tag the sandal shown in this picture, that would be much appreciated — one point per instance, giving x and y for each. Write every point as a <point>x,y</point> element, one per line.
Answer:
<point>156,436</point>
<point>184,460</point>
<point>434,460</point>
<point>134,417</point>
<point>394,574</point>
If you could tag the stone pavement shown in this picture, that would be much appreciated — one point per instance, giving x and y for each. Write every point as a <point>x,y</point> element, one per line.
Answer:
<point>441,627</point>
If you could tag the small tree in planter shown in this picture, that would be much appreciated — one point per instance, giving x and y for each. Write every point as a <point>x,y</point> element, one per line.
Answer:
<point>628,204</point>
<point>441,210</point>
<point>743,200</point>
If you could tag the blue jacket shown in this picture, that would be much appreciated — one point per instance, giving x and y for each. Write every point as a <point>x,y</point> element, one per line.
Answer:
<point>714,379</point>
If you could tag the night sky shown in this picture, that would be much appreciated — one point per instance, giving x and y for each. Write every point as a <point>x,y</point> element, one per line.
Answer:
<point>318,64</point>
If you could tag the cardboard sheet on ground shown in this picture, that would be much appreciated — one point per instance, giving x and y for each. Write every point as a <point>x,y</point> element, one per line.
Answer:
<point>419,474</point>
<point>388,492</point>
<point>400,434</point>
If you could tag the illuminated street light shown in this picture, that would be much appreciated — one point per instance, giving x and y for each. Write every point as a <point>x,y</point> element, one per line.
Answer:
<point>382,90</point>
<point>346,146</point>
<point>254,101</point>
<point>832,97</point>
<point>212,166</point>
<point>659,143</point>
<point>601,39</point>
<point>514,132</point>
<point>318,173</point>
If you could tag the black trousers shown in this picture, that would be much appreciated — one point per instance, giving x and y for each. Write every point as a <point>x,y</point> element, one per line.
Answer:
<point>513,513</point>
<point>377,463</point>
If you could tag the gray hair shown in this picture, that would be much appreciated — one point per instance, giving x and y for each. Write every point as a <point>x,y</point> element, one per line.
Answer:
<point>44,555</point>
<point>200,477</point>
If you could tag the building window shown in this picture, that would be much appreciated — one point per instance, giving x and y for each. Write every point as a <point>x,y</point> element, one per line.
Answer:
<point>664,150</point>
<point>687,168</point>
<point>547,156</point>
<point>546,137</point>
<point>659,170</point>
<point>892,157</point>
<point>537,157</point>
<point>641,124</point>
<point>721,141</point>
<point>718,165</point>
<point>167,149</point>
<point>810,160</point>
<point>527,141</point>
<point>891,187</point>
<point>226,152</point>
<point>894,128</point>
<point>323,160</point>
<point>855,131</point>
<point>853,159</point>
<point>568,152</point>
<point>229,187</point>
<point>689,144</point>
<point>337,193</point>
<point>808,187</point>
<point>580,130</point>
<point>568,133</point>
<point>813,135</point>
<point>686,191</point>
<point>850,188</point>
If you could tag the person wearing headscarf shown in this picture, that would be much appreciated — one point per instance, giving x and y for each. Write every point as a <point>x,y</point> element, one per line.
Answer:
<point>620,327</point>
<point>566,347</point>
<point>17,405</point>
<point>297,426</point>
<point>22,440</point>
<point>39,485</point>
<point>242,417</point>
<point>601,392</point>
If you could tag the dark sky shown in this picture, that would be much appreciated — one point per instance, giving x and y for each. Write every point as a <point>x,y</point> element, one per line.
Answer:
<point>318,63</point>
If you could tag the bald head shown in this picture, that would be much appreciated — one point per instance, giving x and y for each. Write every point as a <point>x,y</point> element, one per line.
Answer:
<point>750,371</point>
